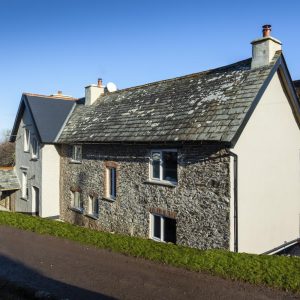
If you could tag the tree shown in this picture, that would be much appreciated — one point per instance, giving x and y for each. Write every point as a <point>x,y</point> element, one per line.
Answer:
<point>5,135</point>
<point>7,154</point>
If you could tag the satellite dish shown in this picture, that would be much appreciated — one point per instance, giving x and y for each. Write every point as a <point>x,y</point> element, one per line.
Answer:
<point>111,87</point>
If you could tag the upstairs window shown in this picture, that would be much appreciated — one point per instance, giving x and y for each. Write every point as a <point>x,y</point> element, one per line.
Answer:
<point>35,148</point>
<point>77,153</point>
<point>111,182</point>
<point>26,139</point>
<point>164,165</point>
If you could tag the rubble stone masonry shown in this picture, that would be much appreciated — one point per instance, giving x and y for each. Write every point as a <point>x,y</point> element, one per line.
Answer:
<point>199,202</point>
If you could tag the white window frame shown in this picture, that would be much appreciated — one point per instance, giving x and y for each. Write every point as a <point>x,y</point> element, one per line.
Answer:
<point>75,156</point>
<point>161,169</point>
<point>25,190</point>
<point>26,139</point>
<point>162,227</point>
<point>80,207</point>
<point>111,194</point>
<point>34,152</point>
<point>91,211</point>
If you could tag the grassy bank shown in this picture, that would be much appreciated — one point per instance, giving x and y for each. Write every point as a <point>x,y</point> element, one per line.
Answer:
<point>274,271</point>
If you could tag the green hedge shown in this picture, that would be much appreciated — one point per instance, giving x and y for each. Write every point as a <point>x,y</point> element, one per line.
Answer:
<point>275,271</point>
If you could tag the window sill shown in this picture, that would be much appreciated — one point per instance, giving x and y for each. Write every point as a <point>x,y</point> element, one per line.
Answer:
<point>25,199</point>
<point>95,217</point>
<point>78,210</point>
<point>75,162</point>
<point>108,199</point>
<point>34,159</point>
<point>161,182</point>
<point>26,151</point>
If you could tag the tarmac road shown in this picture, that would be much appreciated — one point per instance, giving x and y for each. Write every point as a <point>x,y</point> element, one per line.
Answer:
<point>73,271</point>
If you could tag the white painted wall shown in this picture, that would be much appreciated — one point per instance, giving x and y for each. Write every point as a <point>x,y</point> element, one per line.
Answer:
<point>268,174</point>
<point>50,182</point>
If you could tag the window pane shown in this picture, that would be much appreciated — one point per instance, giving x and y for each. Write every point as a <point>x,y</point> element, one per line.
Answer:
<point>156,165</point>
<point>170,230</point>
<point>170,166</point>
<point>76,154</point>
<point>95,206</point>
<point>156,226</point>
<point>112,183</point>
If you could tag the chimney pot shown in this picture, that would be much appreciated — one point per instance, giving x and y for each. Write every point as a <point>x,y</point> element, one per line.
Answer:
<point>266,29</point>
<point>100,82</point>
<point>59,92</point>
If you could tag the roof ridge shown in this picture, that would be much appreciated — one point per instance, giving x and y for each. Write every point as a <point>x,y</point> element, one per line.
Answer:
<point>49,96</point>
<point>179,77</point>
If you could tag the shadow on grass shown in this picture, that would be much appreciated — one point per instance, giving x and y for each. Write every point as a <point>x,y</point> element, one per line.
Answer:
<point>20,280</point>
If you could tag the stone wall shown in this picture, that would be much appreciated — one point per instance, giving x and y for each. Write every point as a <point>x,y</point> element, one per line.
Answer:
<point>199,202</point>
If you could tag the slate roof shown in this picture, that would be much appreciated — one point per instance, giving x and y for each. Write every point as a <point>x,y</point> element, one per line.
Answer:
<point>206,106</point>
<point>49,115</point>
<point>8,180</point>
<point>297,87</point>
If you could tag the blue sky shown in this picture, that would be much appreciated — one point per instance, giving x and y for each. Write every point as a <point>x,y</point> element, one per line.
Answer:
<point>65,45</point>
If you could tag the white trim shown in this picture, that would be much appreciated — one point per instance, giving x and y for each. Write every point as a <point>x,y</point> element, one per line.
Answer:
<point>24,189</point>
<point>26,139</point>
<point>162,227</point>
<point>111,183</point>
<point>161,169</point>
<point>75,157</point>
<point>35,154</point>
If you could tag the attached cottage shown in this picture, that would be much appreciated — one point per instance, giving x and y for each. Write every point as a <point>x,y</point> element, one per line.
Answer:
<point>38,123</point>
<point>207,160</point>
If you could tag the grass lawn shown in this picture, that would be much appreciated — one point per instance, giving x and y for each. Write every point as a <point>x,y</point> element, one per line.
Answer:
<point>274,271</point>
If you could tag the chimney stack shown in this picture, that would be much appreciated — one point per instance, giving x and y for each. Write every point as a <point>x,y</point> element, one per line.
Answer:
<point>264,49</point>
<point>93,92</point>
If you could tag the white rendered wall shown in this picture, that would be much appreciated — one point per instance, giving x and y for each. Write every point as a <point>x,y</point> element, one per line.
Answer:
<point>50,182</point>
<point>268,174</point>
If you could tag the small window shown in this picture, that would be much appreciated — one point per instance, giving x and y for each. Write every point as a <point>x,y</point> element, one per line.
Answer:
<point>77,200</point>
<point>93,206</point>
<point>164,165</point>
<point>77,153</point>
<point>24,186</point>
<point>111,182</point>
<point>163,229</point>
<point>35,148</point>
<point>26,139</point>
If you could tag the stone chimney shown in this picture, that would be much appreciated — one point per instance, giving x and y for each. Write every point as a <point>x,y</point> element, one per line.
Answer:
<point>93,92</point>
<point>264,49</point>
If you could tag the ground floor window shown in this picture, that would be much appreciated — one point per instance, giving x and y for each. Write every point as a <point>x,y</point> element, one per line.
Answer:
<point>111,183</point>
<point>93,206</point>
<point>24,185</point>
<point>77,200</point>
<point>163,229</point>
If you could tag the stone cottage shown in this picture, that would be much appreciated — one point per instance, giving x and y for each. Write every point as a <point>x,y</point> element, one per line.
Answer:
<point>207,160</point>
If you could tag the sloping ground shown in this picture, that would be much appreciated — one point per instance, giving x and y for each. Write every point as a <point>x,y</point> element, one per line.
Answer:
<point>273,271</point>
<point>69,270</point>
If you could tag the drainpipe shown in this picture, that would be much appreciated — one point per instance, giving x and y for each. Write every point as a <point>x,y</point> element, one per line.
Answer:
<point>235,199</point>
